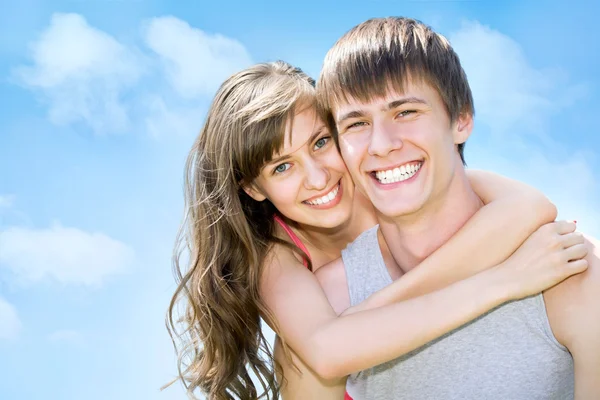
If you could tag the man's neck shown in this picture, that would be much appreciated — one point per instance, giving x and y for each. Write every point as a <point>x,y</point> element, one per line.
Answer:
<point>412,238</point>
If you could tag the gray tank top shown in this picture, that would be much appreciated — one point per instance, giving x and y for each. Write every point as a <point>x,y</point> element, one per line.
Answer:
<point>509,353</point>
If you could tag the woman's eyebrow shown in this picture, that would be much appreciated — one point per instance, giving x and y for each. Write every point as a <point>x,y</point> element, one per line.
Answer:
<point>279,159</point>
<point>316,133</point>
<point>313,136</point>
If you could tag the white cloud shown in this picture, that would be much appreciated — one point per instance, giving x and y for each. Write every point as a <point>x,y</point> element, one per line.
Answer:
<point>10,324</point>
<point>517,101</point>
<point>66,255</point>
<point>196,62</point>
<point>162,119</point>
<point>82,73</point>
<point>511,96</point>
<point>87,76</point>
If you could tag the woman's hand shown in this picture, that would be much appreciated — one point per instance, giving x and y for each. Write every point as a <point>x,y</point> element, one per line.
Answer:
<point>550,255</point>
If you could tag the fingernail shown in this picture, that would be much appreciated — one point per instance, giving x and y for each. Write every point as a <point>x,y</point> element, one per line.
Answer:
<point>575,221</point>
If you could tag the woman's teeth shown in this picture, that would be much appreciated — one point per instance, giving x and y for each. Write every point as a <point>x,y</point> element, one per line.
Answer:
<point>325,199</point>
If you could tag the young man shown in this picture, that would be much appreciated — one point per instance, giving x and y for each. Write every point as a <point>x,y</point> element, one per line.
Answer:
<point>403,110</point>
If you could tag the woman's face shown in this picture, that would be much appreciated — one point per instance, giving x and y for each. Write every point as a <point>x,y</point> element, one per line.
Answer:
<point>307,181</point>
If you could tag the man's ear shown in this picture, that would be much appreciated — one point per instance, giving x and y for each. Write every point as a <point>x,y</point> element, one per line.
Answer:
<point>463,128</point>
<point>253,191</point>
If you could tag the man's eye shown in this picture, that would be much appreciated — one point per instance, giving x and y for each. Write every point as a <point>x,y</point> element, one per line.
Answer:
<point>282,168</point>
<point>355,125</point>
<point>405,113</point>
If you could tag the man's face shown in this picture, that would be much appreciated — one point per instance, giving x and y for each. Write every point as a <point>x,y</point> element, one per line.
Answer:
<point>401,149</point>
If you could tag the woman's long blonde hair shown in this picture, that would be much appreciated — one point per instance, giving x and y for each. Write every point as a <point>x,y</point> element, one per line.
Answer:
<point>226,235</point>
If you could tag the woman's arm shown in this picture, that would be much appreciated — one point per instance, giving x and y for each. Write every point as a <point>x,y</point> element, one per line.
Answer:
<point>508,215</point>
<point>491,186</point>
<point>299,382</point>
<point>337,346</point>
<point>301,309</point>
<point>513,211</point>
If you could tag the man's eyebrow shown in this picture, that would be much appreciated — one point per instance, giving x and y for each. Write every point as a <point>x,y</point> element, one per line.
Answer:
<point>398,103</point>
<point>349,115</point>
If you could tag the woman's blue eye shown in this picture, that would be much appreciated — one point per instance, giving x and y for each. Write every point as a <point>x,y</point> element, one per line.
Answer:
<point>321,142</point>
<point>282,168</point>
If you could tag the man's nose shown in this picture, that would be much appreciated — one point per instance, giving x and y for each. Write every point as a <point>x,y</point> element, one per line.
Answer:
<point>385,138</point>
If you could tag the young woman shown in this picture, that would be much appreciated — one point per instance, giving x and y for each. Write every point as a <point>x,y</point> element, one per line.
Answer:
<point>255,229</point>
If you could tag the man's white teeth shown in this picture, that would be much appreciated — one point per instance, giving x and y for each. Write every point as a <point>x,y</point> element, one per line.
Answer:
<point>397,174</point>
<point>327,198</point>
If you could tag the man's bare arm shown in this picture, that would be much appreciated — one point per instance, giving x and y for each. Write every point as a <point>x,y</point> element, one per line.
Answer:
<point>574,313</point>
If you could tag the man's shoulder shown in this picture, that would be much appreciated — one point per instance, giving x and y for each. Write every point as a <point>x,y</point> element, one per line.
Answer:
<point>573,306</point>
<point>332,277</point>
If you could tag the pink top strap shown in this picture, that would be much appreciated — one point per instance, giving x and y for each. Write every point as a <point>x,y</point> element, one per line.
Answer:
<point>294,238</point>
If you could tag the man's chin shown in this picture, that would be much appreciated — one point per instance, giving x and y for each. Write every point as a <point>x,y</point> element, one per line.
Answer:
<point>395,209</point>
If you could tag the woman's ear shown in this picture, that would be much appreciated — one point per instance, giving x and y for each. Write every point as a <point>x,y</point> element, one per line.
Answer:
<point>463,128</point>
<point>253,191</point>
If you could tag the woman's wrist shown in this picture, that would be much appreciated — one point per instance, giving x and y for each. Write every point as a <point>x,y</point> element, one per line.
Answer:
<point>500,284</point>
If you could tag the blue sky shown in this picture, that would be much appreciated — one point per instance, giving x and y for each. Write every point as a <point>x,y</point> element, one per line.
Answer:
<point>100,101</point>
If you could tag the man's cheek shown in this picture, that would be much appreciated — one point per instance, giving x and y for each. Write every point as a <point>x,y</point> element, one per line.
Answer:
<point>348,150</point>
